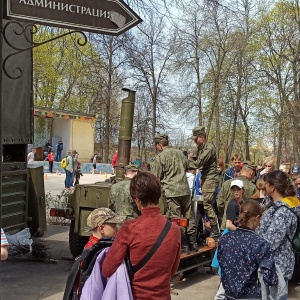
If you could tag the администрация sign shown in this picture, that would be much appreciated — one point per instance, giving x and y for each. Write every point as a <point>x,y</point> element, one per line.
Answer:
<point>111,17</point>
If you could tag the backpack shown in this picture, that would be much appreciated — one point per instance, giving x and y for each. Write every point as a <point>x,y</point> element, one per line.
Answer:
<point>64,163</point>
<point>295,241</point>
<point>82,269</point>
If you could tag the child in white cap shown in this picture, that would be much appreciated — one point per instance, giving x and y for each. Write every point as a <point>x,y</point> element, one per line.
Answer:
<point>234,205</point>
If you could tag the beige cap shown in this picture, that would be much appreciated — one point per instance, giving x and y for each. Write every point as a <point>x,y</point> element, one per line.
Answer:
<point>102,215</point>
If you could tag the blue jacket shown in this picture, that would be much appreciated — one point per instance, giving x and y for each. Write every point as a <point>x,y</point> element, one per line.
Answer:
<point>198,184</point>
<point>240,254</point>
<point>229,174</point>
<point>116,287</point>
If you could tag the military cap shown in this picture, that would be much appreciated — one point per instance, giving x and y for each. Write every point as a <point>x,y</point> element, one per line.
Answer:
<point>133,168</point>
<point>160,138</point>
<point>198,131</point>
<point>192,165</point>
<point>250,165</point>
<point>102,215</point>
<point>74,151</point>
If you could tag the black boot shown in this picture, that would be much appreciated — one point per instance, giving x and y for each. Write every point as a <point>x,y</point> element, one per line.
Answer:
<point>193,242</point>
<point>215,233</point>
<point>185,249</point>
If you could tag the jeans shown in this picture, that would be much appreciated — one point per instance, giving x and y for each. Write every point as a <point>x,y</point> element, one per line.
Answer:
<point>69,179</point>
<point>58,155</point>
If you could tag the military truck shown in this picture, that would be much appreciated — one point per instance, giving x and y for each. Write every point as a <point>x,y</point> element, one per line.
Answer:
<point>90,196</point>
<point>23,195</point>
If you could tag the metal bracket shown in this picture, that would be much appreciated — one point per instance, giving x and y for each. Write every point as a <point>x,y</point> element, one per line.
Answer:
<point>27,32</point>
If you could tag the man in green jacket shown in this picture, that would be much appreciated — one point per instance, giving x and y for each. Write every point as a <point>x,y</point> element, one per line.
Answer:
<point>170,166</point>
<point>207,163</point>
<point>246,174</point>
<point>119,198</point>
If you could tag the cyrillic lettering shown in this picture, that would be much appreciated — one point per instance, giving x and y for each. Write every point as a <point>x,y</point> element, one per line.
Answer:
<point>94,11</point>
<point>88,11</point>
<point>64,7</point>
<point>39,3</point>
<point>56,4</point>
<point>71,8</point>
<point>102,13</point>
<point>48,4</point>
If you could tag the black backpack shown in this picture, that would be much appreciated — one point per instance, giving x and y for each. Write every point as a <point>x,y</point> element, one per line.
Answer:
<point>82,269</point>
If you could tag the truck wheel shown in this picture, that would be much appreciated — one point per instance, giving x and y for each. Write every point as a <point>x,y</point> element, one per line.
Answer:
<point>76,241</point>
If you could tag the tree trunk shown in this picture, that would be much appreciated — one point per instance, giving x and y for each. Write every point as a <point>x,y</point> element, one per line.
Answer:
<point>108,101</point>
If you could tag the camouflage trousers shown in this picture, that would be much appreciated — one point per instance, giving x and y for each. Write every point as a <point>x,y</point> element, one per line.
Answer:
<point>178,207</point>
<point>209,189</point>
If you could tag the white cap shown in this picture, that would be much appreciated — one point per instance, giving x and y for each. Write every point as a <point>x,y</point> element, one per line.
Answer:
<point>238,183</point>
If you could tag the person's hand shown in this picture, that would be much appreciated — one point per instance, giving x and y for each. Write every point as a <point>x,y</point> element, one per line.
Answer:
<point>265,171</point>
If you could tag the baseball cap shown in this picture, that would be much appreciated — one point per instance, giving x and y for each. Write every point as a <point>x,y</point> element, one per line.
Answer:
<point>238,183</point>
<point>102,215</point>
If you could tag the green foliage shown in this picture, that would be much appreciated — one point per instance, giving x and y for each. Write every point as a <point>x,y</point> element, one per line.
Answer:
<point>62,71</point>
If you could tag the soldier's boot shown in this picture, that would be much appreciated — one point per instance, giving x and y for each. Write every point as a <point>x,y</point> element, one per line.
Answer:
<point>193,242</point>
<point>185,249</point>
<point>215,233</point>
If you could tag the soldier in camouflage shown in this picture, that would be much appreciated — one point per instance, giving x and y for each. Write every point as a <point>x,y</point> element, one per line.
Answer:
<point>120,200</point>
<point>246,174</point>
<point>170,166</point>
<point>207,163</point>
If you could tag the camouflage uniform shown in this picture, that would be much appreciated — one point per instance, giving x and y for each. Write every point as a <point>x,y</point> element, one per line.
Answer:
<point>169,166</point>
<point>207,162</point>
<point>225,195</point>
<point>120,200</point>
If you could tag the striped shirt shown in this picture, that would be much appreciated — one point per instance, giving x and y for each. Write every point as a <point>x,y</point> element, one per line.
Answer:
<point>4,241</point>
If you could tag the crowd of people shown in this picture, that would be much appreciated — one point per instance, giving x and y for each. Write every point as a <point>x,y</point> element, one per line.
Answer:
<point>252,213</point>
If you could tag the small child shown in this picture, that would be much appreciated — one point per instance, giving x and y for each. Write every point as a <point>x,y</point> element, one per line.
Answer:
<point>102,222</point>
<point>234,206</point>
<point>4,244</point>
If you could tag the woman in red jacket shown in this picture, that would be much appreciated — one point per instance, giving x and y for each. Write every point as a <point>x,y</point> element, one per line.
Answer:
<point>137,236</point>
